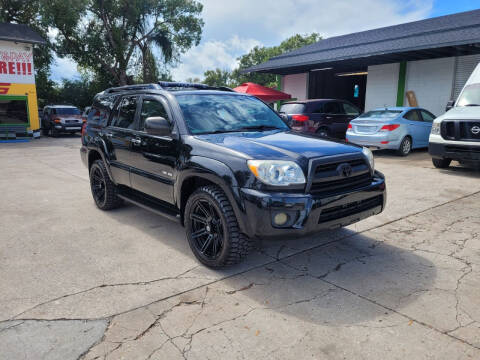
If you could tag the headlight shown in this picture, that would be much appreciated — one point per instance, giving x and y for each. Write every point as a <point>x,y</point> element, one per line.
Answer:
<point>435,129</point>
<point>277,172</point>
<point>368,153</point>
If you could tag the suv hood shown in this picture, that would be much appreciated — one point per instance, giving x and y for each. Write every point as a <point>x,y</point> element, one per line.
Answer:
<point>462,112</point>
<point>276,145</point>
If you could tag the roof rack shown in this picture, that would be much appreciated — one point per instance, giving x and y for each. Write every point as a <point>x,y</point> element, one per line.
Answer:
<point>166,85</point>
<point>172,86</point>
<point>133,87</point>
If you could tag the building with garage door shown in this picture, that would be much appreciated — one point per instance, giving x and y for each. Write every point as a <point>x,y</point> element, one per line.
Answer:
<point>18,95</point>
<point>426,62</point>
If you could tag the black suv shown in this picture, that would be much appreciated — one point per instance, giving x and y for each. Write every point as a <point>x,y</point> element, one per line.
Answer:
<point>224,165</point>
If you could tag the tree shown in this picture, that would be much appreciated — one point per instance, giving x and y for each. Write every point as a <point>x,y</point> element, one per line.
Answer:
<point>217,78</point>
<point>106,36</point>
<point>28,13</point>
<point>259,55</point>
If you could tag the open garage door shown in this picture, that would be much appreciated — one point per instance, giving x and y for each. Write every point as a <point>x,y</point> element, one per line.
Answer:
<point>13,111</point>
<point>332,84</point>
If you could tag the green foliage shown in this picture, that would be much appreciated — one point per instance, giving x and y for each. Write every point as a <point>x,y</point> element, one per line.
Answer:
<point>217,78</point>
<point>110,36</point>
<point>260,55</point>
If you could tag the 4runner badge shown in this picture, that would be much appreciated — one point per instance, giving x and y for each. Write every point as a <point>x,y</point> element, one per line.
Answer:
<point>475,130</point>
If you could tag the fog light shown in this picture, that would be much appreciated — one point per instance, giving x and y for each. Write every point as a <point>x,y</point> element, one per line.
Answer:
<point>280,219</point>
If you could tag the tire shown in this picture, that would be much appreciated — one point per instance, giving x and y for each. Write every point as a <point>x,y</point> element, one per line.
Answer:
<point>323,132</point>
<point>405,146</point>
<point>212,232</point>
<point>441,163</point>
<point>104,191</point>
<point>45,131</point>
<point>52,132</point>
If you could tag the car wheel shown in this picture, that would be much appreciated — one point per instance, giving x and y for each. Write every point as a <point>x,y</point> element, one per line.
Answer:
<point>212,229</point>
<point>52,132</point>
<point>405,146</point>
<point>45,131</point>
<point>103,189</point>
<point>323,132</point>
<point>441,163</point>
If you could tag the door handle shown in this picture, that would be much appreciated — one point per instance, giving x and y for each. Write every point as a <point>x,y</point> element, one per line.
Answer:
<point>136,141</point>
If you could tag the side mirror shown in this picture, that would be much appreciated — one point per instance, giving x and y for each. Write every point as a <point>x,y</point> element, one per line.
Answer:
<point>450,105</point>
<point>157,125</point>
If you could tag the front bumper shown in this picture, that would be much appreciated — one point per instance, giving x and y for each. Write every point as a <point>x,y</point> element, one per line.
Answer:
<point>311,213</point>
<point>458,152</point>
<point>72,128</point>
<point>375,140</point>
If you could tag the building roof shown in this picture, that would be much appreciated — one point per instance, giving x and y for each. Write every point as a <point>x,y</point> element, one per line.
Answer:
<point>19,33</point>
<point>435,37</point>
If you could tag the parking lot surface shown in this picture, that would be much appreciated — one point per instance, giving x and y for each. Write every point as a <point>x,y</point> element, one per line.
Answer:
<point>79,283</point>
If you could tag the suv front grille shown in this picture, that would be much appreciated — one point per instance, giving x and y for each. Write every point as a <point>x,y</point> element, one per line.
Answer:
<point>460,130</point>
<point>327,180</point>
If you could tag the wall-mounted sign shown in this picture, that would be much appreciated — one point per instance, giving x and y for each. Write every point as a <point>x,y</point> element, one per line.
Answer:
<point>16,63</point>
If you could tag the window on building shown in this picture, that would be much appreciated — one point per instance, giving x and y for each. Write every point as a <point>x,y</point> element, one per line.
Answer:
<point>13,111</point>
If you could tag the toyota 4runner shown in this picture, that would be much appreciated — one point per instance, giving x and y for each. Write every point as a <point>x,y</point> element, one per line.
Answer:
<point>224,165</point>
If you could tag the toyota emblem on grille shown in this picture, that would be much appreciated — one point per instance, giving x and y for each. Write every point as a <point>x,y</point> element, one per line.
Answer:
<point>344,170</point>
<point>475,130</point>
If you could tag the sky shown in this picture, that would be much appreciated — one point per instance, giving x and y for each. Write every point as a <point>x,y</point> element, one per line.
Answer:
<point>234,27</point>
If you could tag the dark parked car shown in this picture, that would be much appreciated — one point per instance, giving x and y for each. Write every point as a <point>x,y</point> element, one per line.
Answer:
<point>326,117</point>
<point>61,119</point>
<point>224,165</point>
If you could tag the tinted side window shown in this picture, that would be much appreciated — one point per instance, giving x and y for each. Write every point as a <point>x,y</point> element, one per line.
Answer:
<point>427,116</point>
<point>151,108</point>
<point>318,108</point>
<point>412,115</point>
<point>126,113</point>
<point>333,108</point>
<point>350,110</point>
<point>100,111</point>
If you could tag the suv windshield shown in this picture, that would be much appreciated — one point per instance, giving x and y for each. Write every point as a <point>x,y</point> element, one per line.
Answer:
<point>66,111</point>
<point>207,113</point>
<point>470,96</point>
<point>293,108</point>
<point>381,114</point>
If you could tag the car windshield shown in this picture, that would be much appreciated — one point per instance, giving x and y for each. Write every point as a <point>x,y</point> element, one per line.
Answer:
<point>381,114</point>
<point>207,113</point>
<point>293,108</point>
<point>67,111</point>
<point>470,96</point>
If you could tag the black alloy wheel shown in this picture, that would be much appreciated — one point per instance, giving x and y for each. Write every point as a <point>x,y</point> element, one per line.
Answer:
<point>97,182</point>
<point>104,191</point>
<point>207,229</point>
<point>212,228</point>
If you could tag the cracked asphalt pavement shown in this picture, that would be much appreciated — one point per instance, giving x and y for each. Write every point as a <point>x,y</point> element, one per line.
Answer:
<point>78,283</point>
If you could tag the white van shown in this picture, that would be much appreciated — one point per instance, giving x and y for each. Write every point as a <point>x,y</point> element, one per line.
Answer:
<point>455,135</point>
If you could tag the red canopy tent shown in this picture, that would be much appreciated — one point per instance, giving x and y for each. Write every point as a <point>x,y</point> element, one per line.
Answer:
<point>262,92</point>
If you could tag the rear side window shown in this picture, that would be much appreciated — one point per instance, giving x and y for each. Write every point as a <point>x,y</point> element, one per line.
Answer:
<point>294,108</point>
<point>126,113</point>
<point>412,115</point>
<point>333,108</point>
<point>100,111</point>
<point>350,110</point>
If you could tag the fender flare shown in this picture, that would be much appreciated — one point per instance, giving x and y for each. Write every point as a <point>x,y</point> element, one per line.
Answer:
<point>218,173</point>
<point>101,149</point>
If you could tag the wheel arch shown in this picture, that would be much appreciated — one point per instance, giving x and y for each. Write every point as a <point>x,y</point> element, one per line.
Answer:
<point>204,171</point>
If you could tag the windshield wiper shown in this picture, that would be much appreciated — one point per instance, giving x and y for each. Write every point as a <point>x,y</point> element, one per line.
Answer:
<point>259,127</point>
<point>472,105</point>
